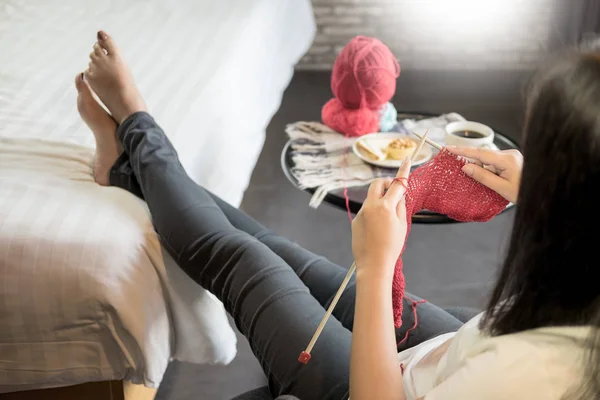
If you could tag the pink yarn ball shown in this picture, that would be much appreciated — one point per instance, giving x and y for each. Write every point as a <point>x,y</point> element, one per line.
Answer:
<point>363,80</point>
<point>352,122</point>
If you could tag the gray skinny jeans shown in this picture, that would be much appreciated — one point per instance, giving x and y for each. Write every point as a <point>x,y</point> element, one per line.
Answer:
<point>276,291</point>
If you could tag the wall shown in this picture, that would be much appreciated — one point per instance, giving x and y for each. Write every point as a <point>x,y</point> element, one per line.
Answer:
<point>437,34</point>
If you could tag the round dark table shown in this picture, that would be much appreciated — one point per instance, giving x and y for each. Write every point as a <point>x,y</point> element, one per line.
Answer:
<point>358,194</point>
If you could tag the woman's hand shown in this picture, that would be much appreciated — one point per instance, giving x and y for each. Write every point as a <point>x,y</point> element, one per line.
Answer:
<point>378,234</point>
<point>379,229</point>
<point>498,170</point>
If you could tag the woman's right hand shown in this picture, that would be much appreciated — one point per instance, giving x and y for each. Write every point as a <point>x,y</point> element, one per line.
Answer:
<point>498,170</point>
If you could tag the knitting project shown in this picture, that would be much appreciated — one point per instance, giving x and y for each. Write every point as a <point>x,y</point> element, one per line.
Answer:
<point>441,186</point>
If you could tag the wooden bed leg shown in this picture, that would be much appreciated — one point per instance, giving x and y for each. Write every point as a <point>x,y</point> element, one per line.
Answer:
<point>138,392</point>
<point>107,390</point>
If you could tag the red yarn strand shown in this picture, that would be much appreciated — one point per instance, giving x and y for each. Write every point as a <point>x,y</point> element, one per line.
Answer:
<point>346,197</point>
<point>401,180</point>
<point>414,305</point>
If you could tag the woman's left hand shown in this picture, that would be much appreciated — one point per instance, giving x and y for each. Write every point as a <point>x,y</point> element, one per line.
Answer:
<point>379,229</point>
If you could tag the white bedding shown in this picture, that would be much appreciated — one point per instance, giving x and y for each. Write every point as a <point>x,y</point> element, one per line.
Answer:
<point>212,73</point>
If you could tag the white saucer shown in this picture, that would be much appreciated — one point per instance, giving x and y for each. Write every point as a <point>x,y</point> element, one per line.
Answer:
<point>385,138</point>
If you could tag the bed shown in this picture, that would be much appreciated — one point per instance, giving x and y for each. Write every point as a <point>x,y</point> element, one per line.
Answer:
<point>87,294</point>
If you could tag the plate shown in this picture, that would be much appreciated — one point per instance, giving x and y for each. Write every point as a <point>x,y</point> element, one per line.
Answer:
<point>381,140</point>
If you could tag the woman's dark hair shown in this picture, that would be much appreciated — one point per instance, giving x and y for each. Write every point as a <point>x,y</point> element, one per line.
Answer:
<point>550,274</point>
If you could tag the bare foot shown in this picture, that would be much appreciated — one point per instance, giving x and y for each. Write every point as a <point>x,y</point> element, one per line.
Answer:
<point>110,78</point>
<point>104,128</point>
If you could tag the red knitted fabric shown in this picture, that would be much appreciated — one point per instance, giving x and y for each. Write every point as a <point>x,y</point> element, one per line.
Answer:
<point>442,187</point>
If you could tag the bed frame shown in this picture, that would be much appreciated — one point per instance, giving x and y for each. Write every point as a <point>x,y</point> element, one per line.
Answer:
<point>106,390</point>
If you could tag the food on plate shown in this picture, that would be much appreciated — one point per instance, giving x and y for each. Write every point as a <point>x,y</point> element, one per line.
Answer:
<point>370,150</point>
<point>399,149</point>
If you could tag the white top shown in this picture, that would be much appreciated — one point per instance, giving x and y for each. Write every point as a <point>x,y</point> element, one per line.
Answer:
<point>536,364</point>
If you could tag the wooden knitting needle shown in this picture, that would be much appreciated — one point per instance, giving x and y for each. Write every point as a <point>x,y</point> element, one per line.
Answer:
<point>429,141</point>
<point>305,355</point>
<point>419,147</point>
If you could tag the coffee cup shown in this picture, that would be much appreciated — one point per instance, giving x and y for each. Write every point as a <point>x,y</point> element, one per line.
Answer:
<point>469,134</point>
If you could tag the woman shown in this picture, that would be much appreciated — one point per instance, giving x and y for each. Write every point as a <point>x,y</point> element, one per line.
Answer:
<point>540,343</point>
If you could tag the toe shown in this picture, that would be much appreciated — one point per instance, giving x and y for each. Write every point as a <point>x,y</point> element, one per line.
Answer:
<point>82,86</point>
<point>107,43</point>
<point>99,51</point>
<point>90,70</point>
<point>88,75</point>
<point>79,82</point>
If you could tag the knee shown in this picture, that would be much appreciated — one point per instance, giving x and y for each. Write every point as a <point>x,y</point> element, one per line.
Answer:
<point>243,244</point>
<point>240,239</point>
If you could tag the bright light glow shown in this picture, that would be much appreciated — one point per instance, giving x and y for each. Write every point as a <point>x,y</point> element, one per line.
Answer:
<point>460,18</point>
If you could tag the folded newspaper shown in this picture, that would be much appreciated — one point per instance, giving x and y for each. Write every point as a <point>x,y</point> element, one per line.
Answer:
<point>323,158</point>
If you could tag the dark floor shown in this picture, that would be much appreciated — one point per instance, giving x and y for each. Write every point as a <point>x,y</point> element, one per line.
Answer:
<point>450,265</point>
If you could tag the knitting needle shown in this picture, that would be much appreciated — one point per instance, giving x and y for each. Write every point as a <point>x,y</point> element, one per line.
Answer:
<point>419,147</point>
<point>429,141</point>
<point>305,355</point>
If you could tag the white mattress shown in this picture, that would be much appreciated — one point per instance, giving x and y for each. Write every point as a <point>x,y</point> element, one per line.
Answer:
<point>212,73</point>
